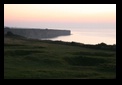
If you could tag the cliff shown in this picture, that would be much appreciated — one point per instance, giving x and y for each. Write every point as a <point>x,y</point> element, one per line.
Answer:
<point>37,33</point>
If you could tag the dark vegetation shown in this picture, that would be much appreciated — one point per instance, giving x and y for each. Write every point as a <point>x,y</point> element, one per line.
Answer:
<point>11,35</point>
<point>44,59</point>
<point>100,46</point>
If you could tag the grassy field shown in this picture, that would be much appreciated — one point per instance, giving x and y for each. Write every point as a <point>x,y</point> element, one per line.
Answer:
<point>34,59</point>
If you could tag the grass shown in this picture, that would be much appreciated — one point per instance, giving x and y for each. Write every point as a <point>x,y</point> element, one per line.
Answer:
<point>36,59</point>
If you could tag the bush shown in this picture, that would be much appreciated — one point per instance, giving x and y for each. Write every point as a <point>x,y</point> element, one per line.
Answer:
<point>9,33</point>
<point>84,61</point>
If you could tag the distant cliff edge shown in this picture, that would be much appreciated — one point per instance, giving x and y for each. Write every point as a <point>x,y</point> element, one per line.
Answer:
<point>37,33</point>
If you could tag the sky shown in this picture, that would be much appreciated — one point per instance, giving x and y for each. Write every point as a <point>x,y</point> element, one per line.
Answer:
<point>60,15</point>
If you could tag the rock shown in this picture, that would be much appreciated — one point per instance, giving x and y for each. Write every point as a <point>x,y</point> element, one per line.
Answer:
<point>37,33</point>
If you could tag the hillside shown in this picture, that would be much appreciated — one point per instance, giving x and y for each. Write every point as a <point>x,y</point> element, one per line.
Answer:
<point>36,59</point>
<point>35,33</point>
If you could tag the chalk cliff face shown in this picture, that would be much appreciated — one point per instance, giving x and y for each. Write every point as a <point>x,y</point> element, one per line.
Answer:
<point>37,33</point>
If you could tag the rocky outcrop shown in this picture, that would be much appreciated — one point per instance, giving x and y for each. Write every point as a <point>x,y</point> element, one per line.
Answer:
<point>37,33</point>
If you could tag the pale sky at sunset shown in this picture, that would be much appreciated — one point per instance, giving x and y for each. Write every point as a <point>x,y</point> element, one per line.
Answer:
<point>60,15</point>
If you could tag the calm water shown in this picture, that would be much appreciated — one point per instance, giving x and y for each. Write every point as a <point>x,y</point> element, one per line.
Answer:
<point>89,36</point>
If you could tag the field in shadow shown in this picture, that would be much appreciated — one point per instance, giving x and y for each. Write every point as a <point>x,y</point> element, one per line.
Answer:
<point>37,59</point>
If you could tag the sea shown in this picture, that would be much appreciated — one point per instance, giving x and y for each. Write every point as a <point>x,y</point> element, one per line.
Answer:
<point>87,36</point>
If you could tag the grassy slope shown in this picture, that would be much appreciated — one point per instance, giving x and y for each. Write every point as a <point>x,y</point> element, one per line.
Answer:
<point>36,59</point>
